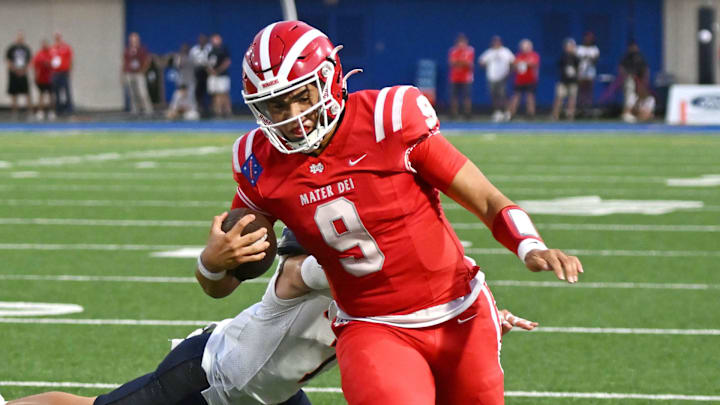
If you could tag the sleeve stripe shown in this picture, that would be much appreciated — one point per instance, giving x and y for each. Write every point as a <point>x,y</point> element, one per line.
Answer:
<point>397,108</point>
<point>249,143</point>
<point>236,159</point>
<point>379,110</point>
<point>248,202</point>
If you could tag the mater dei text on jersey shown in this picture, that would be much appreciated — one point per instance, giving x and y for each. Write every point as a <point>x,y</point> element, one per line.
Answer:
<point>326,192</point>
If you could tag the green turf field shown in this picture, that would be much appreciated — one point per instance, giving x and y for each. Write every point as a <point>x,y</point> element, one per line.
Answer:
<point>643,322</point>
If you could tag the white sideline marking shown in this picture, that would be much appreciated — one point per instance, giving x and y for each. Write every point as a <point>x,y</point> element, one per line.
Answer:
<point>706,180</point>
<point>103,157</point>
<point>338,390</point>
<point>265,280</point>
<point>485,251</point>
<point>119,279</point>
<point>37,309</point>
<point>540,329</point>
<point>456,225</point>
<point>5,164</point>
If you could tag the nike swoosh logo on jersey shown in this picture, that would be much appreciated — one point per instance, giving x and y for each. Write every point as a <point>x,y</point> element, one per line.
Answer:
<point>356,161</point>
<point>466,319</point>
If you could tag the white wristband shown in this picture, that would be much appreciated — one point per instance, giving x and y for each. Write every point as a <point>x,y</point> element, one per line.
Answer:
<point>207,273</point>
<point>313,275</point>
<point>527,245</point>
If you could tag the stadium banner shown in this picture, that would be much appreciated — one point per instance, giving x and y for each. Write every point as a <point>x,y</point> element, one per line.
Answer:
<point>693,104</point>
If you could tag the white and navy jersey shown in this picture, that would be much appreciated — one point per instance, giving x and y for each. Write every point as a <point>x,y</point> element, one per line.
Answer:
<point>269,351</point>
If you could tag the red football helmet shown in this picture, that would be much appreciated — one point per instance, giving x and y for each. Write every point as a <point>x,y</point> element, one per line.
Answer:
<point>283,57</point>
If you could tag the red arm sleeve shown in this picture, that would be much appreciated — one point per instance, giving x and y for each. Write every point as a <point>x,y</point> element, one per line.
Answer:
<point>436,161</point>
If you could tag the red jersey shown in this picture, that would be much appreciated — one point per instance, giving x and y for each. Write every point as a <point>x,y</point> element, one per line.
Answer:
<point>61,57</point>
<point>466,55</point>
<point>134,59</point>
<point>527,65</point>
<point>41,64</point>
<point>361,209</point>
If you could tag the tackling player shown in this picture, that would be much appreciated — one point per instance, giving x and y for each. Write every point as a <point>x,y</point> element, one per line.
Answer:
<point>357,177</point>
<point>262,356</point>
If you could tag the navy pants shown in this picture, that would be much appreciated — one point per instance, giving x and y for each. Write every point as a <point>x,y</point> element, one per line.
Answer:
<point>178,380</point>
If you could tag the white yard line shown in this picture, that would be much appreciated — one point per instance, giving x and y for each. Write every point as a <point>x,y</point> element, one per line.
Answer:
<point>114,156</point>
<point>230,189</point>
<point>605,227</point>
<point>484,251</point>
<point>116,203</point>
<point>338,390</point>
<point>118,279</point>
<point>264,280</point>
<point>163,322</point>
<point>456,225</point>
<point>120,175</point>
<point>610,252</point>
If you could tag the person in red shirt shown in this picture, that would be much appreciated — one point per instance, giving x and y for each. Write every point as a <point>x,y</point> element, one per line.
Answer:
<point>461,59</point>
<point>43,72</point>
<point>136,61</point>
<point>61,63</point>
<point>357,176</point>
<point>526,66</point>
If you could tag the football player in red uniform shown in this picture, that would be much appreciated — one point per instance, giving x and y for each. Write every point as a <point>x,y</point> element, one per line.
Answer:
<point>357,176</point>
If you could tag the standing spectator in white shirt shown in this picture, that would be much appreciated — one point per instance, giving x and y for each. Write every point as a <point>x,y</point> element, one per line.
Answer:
<point>199,55</point>
<point>497,61</point>
<point>589,54</point>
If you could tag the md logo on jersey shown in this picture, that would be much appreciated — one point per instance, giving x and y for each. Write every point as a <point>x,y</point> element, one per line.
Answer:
<point>316,168</point>
<point>251,169</point>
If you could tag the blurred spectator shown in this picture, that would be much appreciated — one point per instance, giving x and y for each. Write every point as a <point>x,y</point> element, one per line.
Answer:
<point>567,86</point>
<point>136,61</point>
<point>589,54</point>
<point>199,54</point>
<point>183,99</point>
<point>61,63</point>
<point>42,63</point>
<point>18,57</point>
<point>635,74</point>
<point>644,108</point>
<point>527,63</point>
<point>218,82</point>
<point>497,61</point>
<point>461,59</point>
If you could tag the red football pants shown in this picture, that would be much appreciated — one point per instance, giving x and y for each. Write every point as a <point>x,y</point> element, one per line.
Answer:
<point>453,363</point>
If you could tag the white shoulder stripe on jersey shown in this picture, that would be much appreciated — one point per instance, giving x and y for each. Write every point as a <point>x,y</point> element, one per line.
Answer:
<point>249,143</point>
<point>379,110</point>
<point>236,149</point>
<point>397,108</point>
<point>265,52</point>
<point>295,51</point>
<point>245,199</point>
<point>250,74</point>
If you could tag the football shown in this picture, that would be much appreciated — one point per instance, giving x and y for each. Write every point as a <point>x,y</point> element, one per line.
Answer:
<point>250,270</point>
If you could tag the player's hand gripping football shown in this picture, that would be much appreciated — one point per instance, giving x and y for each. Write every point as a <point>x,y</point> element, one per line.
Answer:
<point>226,250</point>
<point>509,321</point>
<point>565,267</point>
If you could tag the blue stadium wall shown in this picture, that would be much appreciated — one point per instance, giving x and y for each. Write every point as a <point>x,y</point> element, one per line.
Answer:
<point>387,38</point>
